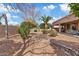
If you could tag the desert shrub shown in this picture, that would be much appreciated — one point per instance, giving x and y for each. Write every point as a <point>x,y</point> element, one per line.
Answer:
<point>49,31</point>
<point>45,31</point>
<point>31,23</point>
<point>53,33</point>
<point>35,30</point>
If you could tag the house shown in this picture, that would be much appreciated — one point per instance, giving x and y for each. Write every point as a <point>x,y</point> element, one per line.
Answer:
<point>68,24</point>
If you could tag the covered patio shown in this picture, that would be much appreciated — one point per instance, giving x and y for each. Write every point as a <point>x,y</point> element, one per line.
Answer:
<point>68,24</point>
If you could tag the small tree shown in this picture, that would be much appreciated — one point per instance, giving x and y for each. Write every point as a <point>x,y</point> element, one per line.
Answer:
<point>74,9</point>
<point>25,27</point>
<point>24,31</point>
<point>31,23</point>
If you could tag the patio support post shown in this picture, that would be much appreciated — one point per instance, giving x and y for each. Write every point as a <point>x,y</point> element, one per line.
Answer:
<point>59,27</point>
<point>78,25</point>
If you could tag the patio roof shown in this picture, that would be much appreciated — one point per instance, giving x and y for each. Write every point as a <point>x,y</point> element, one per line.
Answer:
<point>66,19</point>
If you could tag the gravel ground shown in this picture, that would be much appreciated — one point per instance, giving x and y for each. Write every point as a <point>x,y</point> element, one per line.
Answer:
<point>40,46</point>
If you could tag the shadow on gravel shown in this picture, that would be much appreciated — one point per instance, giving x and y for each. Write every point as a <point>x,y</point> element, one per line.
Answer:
<point>64,48</point>
<point>9,47</point>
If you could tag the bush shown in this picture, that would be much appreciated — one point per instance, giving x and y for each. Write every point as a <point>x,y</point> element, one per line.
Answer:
<point>53,33</point>
<point>24,30</point>
<point>31,23</point>
<point>44,31</point>
<point>35,30</point>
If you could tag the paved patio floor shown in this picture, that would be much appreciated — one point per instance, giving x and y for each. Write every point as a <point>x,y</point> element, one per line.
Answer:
<point>66,37</point>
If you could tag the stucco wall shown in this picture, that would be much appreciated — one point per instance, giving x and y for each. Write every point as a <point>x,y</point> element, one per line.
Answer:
<point>12,30</point>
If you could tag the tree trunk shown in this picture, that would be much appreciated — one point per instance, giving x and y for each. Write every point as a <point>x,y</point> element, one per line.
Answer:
<point>6,29</point>
<point>20,53</point>
<point>46,26</point>
<point>6,26</point>
<point>24,43</point>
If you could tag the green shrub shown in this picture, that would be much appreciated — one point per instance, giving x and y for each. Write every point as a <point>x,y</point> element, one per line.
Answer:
<point>53,33</point>
<point>24,30</point>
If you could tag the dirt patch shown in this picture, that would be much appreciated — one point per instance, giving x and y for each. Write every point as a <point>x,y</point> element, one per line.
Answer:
<point>9,47</point>
<point>41,46</point>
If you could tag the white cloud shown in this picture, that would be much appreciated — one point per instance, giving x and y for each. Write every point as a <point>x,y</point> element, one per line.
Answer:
<point>5,9</point>
<point>54,19</point>
<point>49,7</point>
<point>15,16</point>
<point>45,8</point>
<point>64,7</point>
<point>17,10</point>
<point>13,23</point>
<point>10,17</point>
<point>51,21</point>
<point>10,20</point>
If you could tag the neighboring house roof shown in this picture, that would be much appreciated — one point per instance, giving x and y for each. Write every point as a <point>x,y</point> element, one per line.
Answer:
<point>66,19</point>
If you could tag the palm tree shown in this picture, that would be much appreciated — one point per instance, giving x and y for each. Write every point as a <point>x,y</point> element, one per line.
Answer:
<point>46,19</point>
<point>42,25</point>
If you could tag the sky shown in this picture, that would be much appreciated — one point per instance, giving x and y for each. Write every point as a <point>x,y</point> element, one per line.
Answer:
<point>55,10</point>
